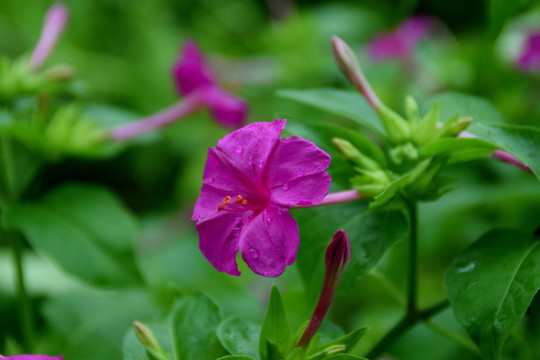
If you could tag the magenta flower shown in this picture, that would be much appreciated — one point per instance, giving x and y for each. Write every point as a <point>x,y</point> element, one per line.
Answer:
<point>250,180</point>
<point>31,357</point>
<point>55,21</point>
<point>195,80</point>
<point>529,59</point>
<point>193,75</point>
<point>401,43</point>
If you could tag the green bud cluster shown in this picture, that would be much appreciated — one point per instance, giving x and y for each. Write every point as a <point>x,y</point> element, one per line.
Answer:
<point>411,172</point>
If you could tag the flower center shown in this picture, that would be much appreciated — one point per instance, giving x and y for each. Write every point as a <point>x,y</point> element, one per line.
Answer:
<point>227,205</point>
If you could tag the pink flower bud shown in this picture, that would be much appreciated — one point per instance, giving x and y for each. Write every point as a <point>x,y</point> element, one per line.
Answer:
<point>55,21</point>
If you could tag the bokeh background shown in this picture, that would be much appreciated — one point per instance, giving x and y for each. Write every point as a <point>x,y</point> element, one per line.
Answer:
<point>122,52</point>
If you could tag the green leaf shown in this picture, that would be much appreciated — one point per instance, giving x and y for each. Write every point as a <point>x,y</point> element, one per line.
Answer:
<point>491,284</point>
<point>193,323</point>
<point>236,357</point>
<point>239,337</point>
<point>345,357</point>
<point>349,340</point>
<point>480,110</point>
<point>275,327</point>
<point>459,149</point>
<point>84,229</point>
<point>345,103</point>
<point>371,234</point>
<point>521,141</point>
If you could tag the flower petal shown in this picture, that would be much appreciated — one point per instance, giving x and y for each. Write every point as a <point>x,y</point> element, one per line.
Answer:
<point>226,108</point>
<point>218,239</point>
<point>296,173</point>
<point>221,179</point>
<point>270,242</point>
<point>191,72</point>
<point>249,148</point>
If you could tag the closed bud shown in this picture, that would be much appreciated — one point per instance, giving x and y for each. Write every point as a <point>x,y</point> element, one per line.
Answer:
<point>411,108</point>
<point>337,257</point>
<point>148,339</point>
<point>397,128</point>
<point>456,127</point>
<point>354,155</point>
<point>329,351</point>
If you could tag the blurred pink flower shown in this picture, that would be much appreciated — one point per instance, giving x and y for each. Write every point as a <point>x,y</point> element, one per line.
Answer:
<point>251,179</point>
<point>55,21</point>
<point>195,80</point>
<point>401,43</point>
<point>529,59</point>
<point>193,75</point>
<point>32,357</point>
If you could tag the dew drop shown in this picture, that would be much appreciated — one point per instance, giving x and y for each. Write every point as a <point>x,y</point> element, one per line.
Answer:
<point>269,220</point>
<point>300,173</point>
<point>466,268</point>
<point>285,187</point>
<point>253,253</point>
<point>209,181</point>
<point>195,217</point>
<point>238,149</point>
<point>261,164</point>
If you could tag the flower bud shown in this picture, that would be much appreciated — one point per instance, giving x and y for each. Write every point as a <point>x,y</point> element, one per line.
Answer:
<point>329,351</point>
<point>453,128</point>
<point>146,336</point>
<point>55,21</point>
<point>353,154</point>
<point>426,130</point>
<point>397,128</point>
<point>351,69</point>
<point>411,108</point>
<point>337,257</point>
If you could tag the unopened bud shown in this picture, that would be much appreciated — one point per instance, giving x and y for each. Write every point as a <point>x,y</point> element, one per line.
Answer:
<point>348,64</point>
<point>397,128</point>
<point>353,154</point>
<point>456,127</point>
<point>411,108</point>
<point>426,130</point>
<point>147,338</point>
<point>55,21</point>
<point>405,151</point>
<point>337,257</point>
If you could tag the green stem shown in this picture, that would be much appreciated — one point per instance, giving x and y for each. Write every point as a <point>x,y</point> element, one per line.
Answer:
<point>412,293</point>
<point>25,312</point>
<point>403,326</point>
<point>7,161</point>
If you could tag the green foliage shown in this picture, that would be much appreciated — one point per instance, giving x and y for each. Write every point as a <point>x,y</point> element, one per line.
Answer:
<point>188,332</point>
<point>371,234</point>
<point>275,331</point>
<point>345,103</point>
<point>84,229</point>
<point>239,337</point>
<point>501,269</point>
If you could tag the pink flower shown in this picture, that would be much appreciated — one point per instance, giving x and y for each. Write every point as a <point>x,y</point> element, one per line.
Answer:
<point>401,43</point>
<point>250,180</point>
<point>32,357</point>
<point>529,59</point>
<point>195,80</point>
<point>55,21</point>
<point>193,75</point>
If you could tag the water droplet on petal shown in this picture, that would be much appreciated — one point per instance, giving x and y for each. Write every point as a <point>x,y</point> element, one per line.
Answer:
<point>209,181</point>
<point>269,220</point>
<point>238,149</point>
<point>285,187</point>
<point>253,253</point>
<point>300,173</point>
<point>195,217</point>
<point>261,164</point>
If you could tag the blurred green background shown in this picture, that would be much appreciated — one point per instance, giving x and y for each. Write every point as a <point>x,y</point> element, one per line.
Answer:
<point>122,52</point>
